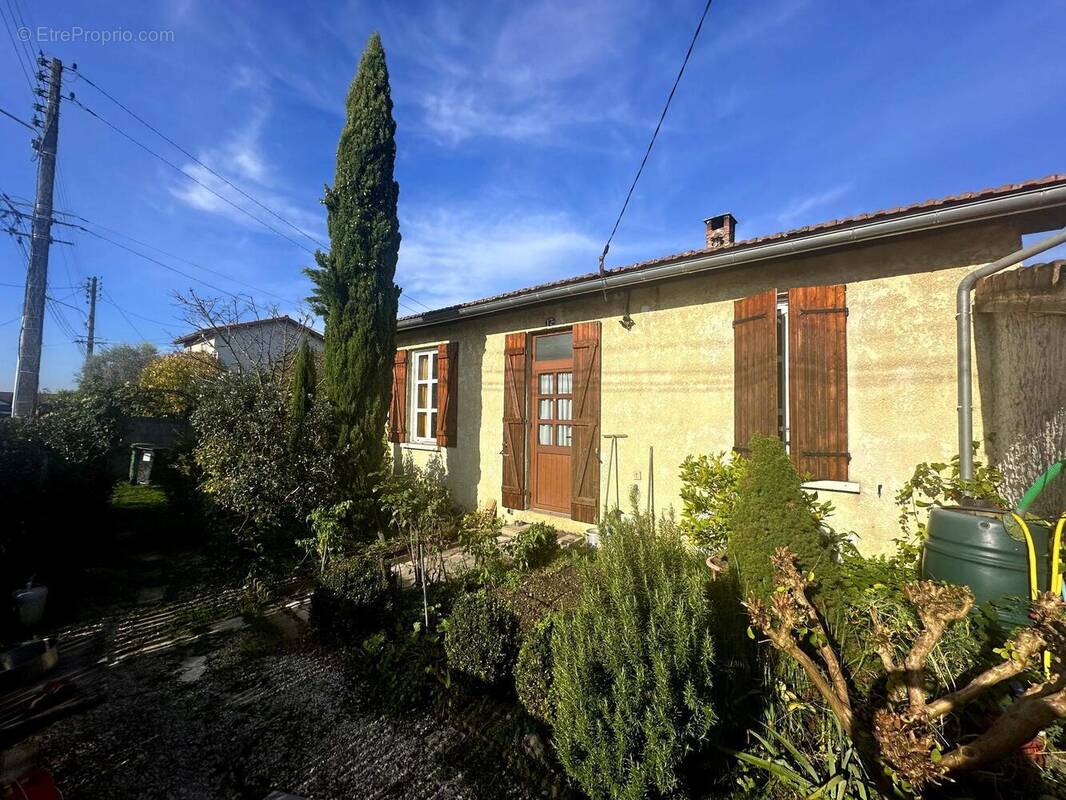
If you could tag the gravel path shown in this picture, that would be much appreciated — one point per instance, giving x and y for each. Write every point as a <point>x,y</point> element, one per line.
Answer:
<point>295,721</point>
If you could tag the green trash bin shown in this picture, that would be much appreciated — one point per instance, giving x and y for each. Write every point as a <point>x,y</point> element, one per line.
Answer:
<point>972,547</point>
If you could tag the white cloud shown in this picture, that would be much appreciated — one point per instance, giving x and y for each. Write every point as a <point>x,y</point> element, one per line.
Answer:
<point>797,209</point>
<point>451,256</point>
<point>241,160</point>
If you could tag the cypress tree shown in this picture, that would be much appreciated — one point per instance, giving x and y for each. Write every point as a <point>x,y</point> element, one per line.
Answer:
<point>303,386</point>
<point>353,283</point>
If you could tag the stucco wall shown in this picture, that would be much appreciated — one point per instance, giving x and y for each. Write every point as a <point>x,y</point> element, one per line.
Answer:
<point>255,347</point>
<point>668,382</point>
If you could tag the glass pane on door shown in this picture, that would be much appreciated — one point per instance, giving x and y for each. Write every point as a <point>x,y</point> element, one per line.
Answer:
<point>566,383</point>
<point>546,384</point>
<point>544,434</point>
<point>545,409</point>
<point>564,408</point>
<point>564,433</point>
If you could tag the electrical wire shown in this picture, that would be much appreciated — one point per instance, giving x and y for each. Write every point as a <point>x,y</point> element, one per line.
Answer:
<point>197,181</point>
<point>107,297</point>
<point>654,136</point>
<point>19,121</point>
<point>80,75</point>
<point>259,289</point>
<point>18,53</point>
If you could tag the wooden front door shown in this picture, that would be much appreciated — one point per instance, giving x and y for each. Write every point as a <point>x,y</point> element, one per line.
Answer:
<point>552,429</point>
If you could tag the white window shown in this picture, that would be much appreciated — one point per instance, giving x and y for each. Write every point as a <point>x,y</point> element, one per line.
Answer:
<point>424,397</point>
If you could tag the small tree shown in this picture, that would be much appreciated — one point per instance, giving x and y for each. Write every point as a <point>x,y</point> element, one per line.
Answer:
<point>632,667</point>
<point>253,469</point>
<point>303,386</point>
<point>773,511</point>
<point>116,366</point>
<point>353,283</point>
<point>169,383</point>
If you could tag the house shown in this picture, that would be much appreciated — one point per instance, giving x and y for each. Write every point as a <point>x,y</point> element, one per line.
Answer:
<point>256,344</point>
<point>838,337</point>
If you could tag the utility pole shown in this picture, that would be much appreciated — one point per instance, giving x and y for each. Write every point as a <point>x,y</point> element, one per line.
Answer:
<point>28,373</point>
<point>91,325</point>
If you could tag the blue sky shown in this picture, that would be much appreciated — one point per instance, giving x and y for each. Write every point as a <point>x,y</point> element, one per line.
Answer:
<point>519,126</point>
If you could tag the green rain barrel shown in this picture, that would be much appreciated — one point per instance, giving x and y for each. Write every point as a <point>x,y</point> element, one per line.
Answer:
<point>971,547</point>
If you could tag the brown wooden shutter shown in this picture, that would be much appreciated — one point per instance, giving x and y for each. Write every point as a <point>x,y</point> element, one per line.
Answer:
<point>585,445</point>
<point>818,381</point>
<point>755,390</point>
<point>515,393</point>
<point>398,406</point>
<point>447,393</point>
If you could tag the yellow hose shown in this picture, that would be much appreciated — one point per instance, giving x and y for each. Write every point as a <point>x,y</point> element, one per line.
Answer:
<point>1034,589</point>
<point>1056,564</point>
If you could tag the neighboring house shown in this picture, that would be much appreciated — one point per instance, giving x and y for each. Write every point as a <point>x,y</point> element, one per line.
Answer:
<point>838,337</point>
<point>255,344</point>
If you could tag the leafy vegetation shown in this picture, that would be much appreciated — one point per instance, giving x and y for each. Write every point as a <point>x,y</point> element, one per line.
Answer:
<point>304,385</point>
<point>353,596</point>
<point>261,480</point>
<point>533,671</point>
<point>772,511</point>
<point>533,546</point>
<point>116,366</point>
<point>708,495</point>
<point>633,666</point>
<point>170,384</point>
<point>420,509</point>
<point>481,637</point>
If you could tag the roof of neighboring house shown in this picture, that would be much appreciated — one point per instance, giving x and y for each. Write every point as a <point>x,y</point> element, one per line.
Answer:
<point>856,221</point>
<point>203,333</point>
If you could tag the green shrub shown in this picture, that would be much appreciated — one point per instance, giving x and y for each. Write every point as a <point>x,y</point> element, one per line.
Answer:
<point>534,546</point>
<point>773,511</point>
<point>479,538</point>
<point>533,672</point>
<point>353,596</point>
<point>481,637</point>
<point>632,667</point>
<point>708,494</point>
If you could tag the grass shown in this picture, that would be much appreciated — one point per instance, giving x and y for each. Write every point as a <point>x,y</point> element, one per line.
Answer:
<point>128,497</point>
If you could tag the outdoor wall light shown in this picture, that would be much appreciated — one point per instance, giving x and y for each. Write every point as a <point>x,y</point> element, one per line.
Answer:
<point>627,322</point>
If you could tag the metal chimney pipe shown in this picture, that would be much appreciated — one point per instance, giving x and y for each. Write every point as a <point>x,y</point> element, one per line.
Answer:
<point>963,321</point>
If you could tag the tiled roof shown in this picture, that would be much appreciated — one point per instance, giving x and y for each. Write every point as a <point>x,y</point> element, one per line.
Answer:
<point>794,233</point>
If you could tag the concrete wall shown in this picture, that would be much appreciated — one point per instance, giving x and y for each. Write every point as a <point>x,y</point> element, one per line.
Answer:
<point>668,382</point>
<point>256,346</point>
<point>1020,340</point>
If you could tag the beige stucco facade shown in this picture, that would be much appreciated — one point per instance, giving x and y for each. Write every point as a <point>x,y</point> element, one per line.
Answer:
<point>667,383</point>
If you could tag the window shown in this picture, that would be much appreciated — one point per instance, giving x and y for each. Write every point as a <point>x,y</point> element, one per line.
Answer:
<point>791,376</point>
<point>554,402</point>
<point>424,388</point>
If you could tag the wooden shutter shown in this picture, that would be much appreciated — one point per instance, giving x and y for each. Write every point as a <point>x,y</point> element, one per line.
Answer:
<point>755,367</point>
<point>398,406</point>
<point>818,381</point>
<point>515,393</point>
<point>447,393</point>
<point>585,445</point>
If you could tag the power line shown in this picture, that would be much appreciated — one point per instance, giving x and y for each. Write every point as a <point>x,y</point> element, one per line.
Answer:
<point>259,289</point>
<point>107,297</point>
<point>19,121</point>
<point>198,182</point>
<point>654,135</point>
<point>18,53</point>
<point>186,153</point>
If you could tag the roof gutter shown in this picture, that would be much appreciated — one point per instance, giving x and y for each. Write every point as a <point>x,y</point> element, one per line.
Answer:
<point>964,345</point>
<point>993,208</point>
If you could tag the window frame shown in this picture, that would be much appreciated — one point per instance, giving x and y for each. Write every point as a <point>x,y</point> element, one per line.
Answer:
<point>432,410</point>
